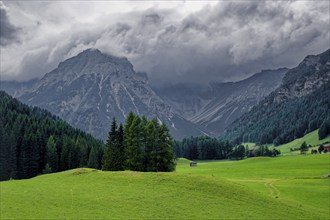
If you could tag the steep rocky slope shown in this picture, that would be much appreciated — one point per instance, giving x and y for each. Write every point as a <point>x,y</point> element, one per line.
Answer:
<point>298,106</point>
<point>88,90</point>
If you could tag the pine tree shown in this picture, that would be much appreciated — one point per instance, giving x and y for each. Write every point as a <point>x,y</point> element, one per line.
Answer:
<point>127,136</point>
<point>5,154</point>
<point>165,156</point>
<point>150,146</point>
<point>64,161</point>
<point>134,149</point>
<point>74,152</point>
<point>52,158</point>
<point>303,148</point>
<point>24,158</point>
<point>92,160</point>
<point>13,155</point>
<point>109,158</point>
<point>121,158</point>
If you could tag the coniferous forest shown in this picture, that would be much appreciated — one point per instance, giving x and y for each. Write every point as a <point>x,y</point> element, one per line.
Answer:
<point>207,148</point>
<point>281,123</point>
<point>33,142</point>
<point>203,148</point>
<point>140,145</point>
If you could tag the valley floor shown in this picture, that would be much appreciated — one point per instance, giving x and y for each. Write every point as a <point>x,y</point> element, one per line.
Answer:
<point>292,187</point>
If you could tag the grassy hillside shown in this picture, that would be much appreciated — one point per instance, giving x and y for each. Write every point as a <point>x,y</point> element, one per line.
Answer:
<point>311,138</point>
<point>258,188</point>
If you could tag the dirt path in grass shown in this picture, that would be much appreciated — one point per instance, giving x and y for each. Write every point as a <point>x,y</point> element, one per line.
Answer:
<point>274,192</point>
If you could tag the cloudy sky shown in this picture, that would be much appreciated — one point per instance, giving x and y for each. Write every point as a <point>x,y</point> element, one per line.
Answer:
<point>173,41</point>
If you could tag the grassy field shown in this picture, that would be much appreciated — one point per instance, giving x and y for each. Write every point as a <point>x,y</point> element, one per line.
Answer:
<point>258,188</point>
<point>311,138</point>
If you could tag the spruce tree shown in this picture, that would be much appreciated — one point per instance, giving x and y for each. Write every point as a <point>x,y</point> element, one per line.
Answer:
<point>52,158</point>
<point>128,137</point>
<point>83,151</point>
<point>150,144</point>
<point>92,160</point>
<point>165,156</point>
<point>134,150</point>
<point>5,156</point>
<point>64,161</point>
<point>109,158</point>
<point>121,157</point>
<point>24,158</point>
<point>303,148</point>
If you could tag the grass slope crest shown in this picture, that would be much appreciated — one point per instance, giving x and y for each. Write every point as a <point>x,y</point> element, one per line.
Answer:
<point>273,188</point>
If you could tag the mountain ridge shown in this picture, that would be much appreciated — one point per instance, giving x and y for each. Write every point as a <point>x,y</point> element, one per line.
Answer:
<point>299,105</point>
<point>88,90</point>
<point>215,107</point>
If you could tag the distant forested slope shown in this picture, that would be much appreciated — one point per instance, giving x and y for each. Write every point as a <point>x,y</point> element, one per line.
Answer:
<point>300,105</point>
<point>33,141</point>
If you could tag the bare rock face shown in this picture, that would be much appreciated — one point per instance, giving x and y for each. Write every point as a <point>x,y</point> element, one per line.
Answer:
<point>88,90</point>
<point>312,73</point>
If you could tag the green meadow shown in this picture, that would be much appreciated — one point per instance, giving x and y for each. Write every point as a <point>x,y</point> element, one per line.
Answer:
<point>311,138</point>
<point>293,187</point>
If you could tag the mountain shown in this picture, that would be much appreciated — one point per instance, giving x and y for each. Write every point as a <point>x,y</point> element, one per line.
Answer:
<point>300,105</point>
<point>32,139</point>
<point>215,107</point>
<point>88,90</point>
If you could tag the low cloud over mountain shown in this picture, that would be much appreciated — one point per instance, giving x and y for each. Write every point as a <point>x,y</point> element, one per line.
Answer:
<point>181,42</point>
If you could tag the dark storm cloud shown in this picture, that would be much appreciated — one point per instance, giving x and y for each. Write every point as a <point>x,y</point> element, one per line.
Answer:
<point>226,41</point>
<point>231,40</point>
<point>8,32</point>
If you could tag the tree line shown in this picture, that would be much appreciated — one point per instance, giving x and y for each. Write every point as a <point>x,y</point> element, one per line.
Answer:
<point>207,148</point>
<point>202,148</point>
<point>140,145</point>
<point>33,141</point>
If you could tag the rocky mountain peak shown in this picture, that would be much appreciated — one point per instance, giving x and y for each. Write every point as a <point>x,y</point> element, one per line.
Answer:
<point>93,61</point>
<point>90,63</point>
<point>312,73</point>
<point>316,60</point>
<point>97,55</point>
<point>89,89</point>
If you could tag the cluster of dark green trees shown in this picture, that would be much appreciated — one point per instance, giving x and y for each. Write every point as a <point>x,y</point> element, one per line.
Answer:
<point>261,151</point>
<point>207,148</point>
<point>239,152</point>
<point>33,141</point>
<point>279,123</point>
<point>304,148</point>
<point>202,148</point>
<point>139,145</point>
